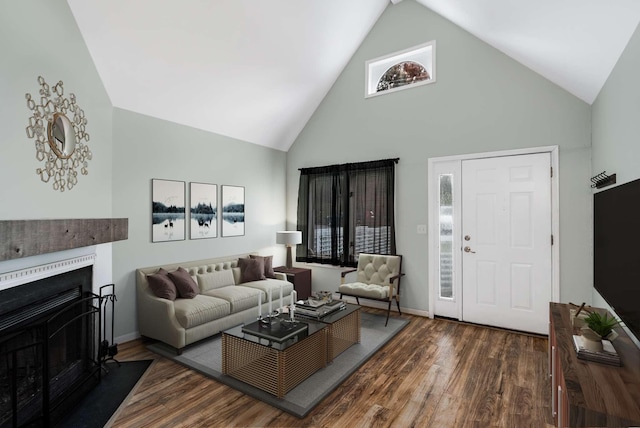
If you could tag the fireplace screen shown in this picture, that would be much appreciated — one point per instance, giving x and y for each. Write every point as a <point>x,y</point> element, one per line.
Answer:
<point>48,350</point>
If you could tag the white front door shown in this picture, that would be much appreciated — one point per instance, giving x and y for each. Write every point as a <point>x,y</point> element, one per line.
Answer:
<point>506,241</point>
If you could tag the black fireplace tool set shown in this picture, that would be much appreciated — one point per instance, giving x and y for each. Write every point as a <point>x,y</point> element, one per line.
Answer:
<point>107,350</point>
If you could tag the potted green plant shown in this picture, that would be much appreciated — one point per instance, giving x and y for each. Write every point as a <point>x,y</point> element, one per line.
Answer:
<point>598,326</point>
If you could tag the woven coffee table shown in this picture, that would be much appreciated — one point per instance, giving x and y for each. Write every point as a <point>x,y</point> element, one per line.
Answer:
<point>272,365</point>
<point>344,330</point>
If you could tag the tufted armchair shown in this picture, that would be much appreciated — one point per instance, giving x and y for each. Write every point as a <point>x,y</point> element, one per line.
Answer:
<point>378,278</point>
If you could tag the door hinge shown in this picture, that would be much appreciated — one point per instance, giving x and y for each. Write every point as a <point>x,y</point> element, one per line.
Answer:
<point>551,239</point>
<point>551,172</point>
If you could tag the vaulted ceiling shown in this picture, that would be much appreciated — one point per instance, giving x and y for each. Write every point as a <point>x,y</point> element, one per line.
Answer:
<point>256,70</point>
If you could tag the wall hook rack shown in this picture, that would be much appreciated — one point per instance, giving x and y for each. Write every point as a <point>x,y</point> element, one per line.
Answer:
<point>602,180</point>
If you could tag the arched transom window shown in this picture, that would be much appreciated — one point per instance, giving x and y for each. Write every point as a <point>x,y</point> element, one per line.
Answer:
<point>409,68</point>
<point>405,73</point>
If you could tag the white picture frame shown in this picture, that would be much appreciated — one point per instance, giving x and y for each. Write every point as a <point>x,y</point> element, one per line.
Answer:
<point>167,210</point>
<point>233,211</point>
<point>203,210</point>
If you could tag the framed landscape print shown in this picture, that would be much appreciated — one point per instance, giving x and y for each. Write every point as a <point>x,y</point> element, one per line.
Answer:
<point>203,212</point>
<point>232,211</point>
<point>167,210</point>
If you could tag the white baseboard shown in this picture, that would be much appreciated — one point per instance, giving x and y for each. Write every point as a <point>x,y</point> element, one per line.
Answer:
<point>384,306</point>
<point>127,337</point>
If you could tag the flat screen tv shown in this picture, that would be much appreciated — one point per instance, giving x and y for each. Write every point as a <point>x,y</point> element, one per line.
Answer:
<point>616,242</point>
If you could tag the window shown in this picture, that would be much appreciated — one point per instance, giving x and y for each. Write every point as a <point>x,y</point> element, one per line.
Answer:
<point>445,220</point>
<point>405,73</point>
<point>345,210</point>
<point>409,68</point>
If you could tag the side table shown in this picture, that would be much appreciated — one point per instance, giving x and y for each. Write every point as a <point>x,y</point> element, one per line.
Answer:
<point>586,393</point>
<point>300,278</point>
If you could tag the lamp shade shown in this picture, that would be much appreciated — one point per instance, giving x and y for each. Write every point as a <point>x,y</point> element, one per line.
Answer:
<point>292,237</point>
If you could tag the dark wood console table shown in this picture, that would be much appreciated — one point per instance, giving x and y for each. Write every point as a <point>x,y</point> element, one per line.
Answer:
<point>300,278</point>
<point>588,393</point>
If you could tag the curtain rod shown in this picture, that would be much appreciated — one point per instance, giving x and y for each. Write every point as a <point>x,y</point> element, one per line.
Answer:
<point>395,160</point>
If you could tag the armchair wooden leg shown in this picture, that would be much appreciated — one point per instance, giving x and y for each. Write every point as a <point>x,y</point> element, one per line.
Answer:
<point>388,312</point>
<point>398,304</point>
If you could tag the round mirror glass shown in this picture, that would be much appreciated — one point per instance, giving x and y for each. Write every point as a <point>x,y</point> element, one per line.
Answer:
<point>62,136</point>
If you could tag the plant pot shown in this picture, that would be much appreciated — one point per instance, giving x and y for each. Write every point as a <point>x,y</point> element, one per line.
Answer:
<point>612,336</point>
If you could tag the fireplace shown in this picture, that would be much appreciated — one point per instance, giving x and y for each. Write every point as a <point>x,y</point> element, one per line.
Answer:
<point>49,336</point>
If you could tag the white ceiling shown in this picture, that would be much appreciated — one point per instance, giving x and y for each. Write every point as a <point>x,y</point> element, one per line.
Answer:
<point>256,70</point>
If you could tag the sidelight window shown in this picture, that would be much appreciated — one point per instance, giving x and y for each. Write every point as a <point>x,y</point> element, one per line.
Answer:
<point>445,220</point>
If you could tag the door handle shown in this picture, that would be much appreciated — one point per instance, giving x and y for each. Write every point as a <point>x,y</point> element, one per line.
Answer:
<point>468,250</point>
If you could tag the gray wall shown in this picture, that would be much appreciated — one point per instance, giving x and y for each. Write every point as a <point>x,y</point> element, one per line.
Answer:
<point>147,148</point>
<point>482,101</point>
<point>41,38</point>
<point>615,115</point>
<point>616,128</point>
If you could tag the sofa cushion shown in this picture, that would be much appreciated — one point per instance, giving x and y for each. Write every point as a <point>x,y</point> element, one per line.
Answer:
<point>200,309</point>
<point>237,276</point>
<point>186,286</point>
<point>161,285</point>
<point>251,269</point>
<point>365,290</point>
<point>212,280</point>
<point>268,265</point>
<point>377,268</point>
<point>210,267</point>
<point>273,284</point>
<point>240,297</point>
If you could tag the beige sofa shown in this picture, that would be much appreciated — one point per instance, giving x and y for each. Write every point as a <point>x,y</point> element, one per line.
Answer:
<point>223,301</point>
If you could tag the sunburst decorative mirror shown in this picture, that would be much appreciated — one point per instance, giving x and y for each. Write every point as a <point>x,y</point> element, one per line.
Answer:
<point>58,126</point>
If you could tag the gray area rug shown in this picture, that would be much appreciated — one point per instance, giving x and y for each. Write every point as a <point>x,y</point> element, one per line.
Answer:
<point>206,358</point>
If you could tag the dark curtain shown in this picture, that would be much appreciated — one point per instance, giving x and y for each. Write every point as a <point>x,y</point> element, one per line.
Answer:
<point>344,210</point>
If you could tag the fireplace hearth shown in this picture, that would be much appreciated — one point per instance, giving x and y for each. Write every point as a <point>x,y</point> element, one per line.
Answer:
<point>49,339</point>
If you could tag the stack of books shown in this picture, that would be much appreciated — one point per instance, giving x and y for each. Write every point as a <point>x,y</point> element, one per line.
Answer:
<point>608,355</point>
<point>317,309</point>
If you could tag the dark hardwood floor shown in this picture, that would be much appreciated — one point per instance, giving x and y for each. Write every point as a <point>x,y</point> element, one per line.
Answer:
<point>435,373</point>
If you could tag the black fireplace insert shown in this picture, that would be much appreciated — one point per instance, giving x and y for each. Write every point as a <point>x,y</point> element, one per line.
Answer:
<point>49,341</point>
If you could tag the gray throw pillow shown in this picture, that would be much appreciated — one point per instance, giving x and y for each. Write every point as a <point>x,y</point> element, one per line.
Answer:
<point>162,286</point>
<point>251,269</point>
<point>186,286</point>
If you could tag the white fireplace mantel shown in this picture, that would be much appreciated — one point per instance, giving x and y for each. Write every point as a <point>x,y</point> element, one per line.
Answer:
<point>35,273</point>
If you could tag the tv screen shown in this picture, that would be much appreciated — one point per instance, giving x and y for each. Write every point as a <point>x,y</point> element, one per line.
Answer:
<point>616,242</point>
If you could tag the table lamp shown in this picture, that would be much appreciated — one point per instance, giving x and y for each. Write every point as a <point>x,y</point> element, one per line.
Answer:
<point>290,239</point>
